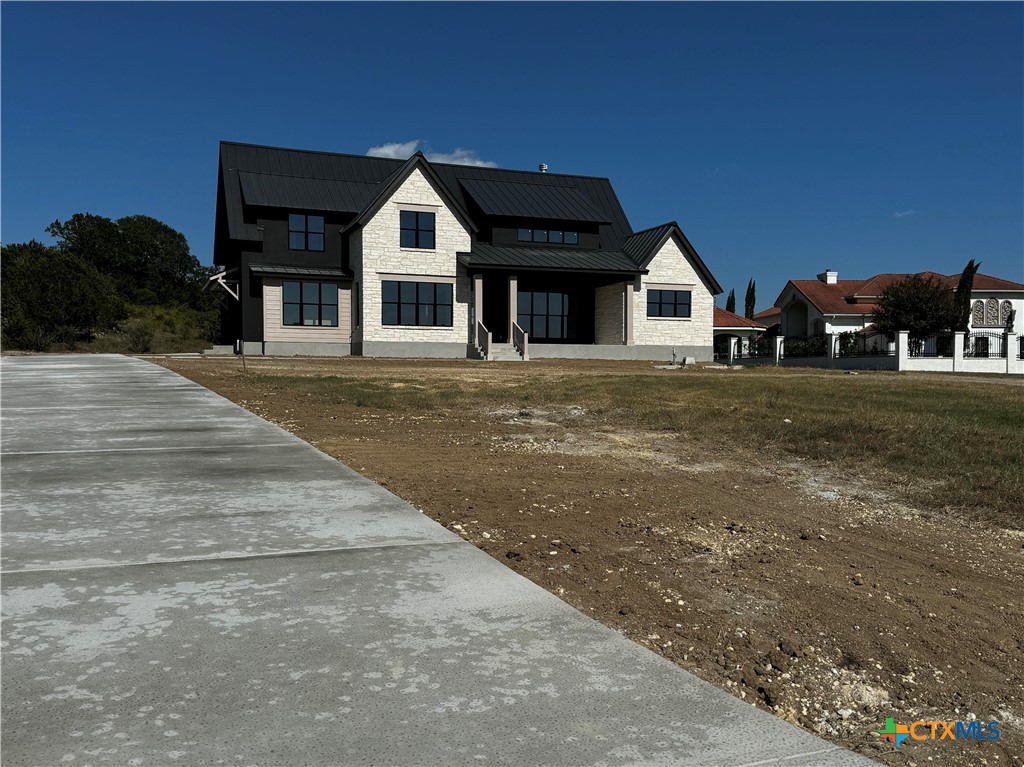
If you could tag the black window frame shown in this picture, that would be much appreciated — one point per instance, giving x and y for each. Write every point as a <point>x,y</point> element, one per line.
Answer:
<point>547,236</point>
<point>535,306</point>
<point>432,304</point>
<point>669,303</point>
<point>418,230</point>
<point>302,229</point>
<point>331,291</point>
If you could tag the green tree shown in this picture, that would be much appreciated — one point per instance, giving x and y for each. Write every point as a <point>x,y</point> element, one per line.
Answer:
<point>148,261</point>
<point>750,301</point>
<point>915,304</point>
<point>51,295</point>
<point>962,296</point>
<point>730,302</point>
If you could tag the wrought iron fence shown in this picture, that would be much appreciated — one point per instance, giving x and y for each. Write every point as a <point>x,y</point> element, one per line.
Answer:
<point>805,346</point>
<point>865,344</point>
<point>939,345</point>
<point>758,348</point>
<point>982,345</point>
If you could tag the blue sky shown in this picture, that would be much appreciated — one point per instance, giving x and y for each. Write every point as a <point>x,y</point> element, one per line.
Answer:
<point>784,138</point>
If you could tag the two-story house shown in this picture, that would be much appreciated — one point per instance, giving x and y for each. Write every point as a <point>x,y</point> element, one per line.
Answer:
<point>334,254</point>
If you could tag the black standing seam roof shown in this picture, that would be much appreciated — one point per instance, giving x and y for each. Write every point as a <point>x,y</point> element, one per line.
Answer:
<point>351,174</point>
<point>513,256</point>
<point>561,203</point>
<point>644,245</point>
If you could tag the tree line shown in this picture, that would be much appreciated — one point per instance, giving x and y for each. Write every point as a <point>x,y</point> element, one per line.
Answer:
<point>100,276</point>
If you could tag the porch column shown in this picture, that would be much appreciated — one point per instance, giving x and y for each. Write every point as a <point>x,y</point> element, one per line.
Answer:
<point>513,303</point>
<point>478,306</point>
<point>627,304</point>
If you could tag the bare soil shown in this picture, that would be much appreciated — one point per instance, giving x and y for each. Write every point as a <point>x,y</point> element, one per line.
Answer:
<point>815,592</point>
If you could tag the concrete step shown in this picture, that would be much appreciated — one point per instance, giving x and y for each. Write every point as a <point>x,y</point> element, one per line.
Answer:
<point>219,351</point>
<point>505,353</point>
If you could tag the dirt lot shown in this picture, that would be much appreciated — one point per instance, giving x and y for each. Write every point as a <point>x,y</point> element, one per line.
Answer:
<point>748,525</point>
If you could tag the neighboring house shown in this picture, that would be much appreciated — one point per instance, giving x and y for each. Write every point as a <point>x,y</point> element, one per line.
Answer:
<point>729,325</point>
<point>771,318</point>
<point>333,254</point>
<point>831,305</point>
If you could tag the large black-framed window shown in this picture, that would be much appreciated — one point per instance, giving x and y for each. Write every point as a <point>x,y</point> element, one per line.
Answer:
<point>556,236</point>
<point>310,304</point>
<point>424,304</point>
<point>668,303</point>
<point>305,232</point>
<point>417,229</point>
<point>544,315</point>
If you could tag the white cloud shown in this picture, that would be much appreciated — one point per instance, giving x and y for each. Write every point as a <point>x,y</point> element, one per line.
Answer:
<point>903,213</point>
<point>402,151</point>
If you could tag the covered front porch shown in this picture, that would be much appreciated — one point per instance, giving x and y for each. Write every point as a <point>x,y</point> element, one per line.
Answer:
<point>551,314</point>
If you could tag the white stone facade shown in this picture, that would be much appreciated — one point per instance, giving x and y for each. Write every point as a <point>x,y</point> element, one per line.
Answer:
<point>376,254</point>
<point>609,313</point>
<point>671,270</point>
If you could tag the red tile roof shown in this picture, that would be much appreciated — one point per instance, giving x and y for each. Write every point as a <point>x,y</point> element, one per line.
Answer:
<point>724,319</point>
<point>841,297</point>
<point>769,315</point>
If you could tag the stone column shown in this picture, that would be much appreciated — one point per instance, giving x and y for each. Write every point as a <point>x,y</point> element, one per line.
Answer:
<point>513,303</point>
<point>478,306</point>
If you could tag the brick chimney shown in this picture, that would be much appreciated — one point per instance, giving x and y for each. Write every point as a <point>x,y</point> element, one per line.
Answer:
<point>829,277</point>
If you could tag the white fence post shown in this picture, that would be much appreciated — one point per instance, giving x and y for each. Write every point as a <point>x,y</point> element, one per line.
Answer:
<point>958,350</point>
<point>830,339</point>
<point>732,350</point>
<point>778,348</point>
<point>902,350</point>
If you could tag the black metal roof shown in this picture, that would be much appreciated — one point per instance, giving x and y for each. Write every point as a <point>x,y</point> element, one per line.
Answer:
<point>269,189</point>
<point>297,271</point>
<point>569,259</point>
<point>343,181</point>
<point>643,246</point>
<point>539,201</point>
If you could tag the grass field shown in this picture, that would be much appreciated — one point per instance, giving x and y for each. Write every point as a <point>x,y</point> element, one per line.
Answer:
<point>952,445</point>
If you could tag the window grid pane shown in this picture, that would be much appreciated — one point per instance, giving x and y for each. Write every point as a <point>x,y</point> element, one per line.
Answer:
<point>416,229</point>
<point>423,304</point>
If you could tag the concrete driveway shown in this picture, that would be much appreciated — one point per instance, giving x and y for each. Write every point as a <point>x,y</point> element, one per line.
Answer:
<point>185,583</point>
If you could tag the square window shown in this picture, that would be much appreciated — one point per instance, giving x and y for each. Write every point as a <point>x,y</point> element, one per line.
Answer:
<point>540,235</point>
<point>525,235</point>
<point>570,238</point>
<point>416,229</point>
<point>554,236</point>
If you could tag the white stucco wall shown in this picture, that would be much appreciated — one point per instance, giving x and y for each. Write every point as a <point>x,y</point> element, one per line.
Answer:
<point>382,257</point>
<point>1016,303</point>
<point>671,270</point>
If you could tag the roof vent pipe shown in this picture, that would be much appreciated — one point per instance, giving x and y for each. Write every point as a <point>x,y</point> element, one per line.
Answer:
<point>543,167</point>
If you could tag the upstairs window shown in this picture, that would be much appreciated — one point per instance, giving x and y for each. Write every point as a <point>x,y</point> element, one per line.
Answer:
<point>668,303</point>
<point>426,304</point>
<point>310,304</point>
<point>549,235</point>
<point>305,232</point>
<point>417,229</point>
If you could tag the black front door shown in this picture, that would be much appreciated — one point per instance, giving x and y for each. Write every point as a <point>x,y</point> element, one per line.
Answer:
<point>496,308</point>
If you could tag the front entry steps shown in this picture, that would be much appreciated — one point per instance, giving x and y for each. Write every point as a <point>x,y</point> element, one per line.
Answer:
<point>505,353</point>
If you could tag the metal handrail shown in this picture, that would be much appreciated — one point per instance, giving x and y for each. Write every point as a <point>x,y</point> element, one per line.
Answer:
<point>483,340</point>
<point>521,341</point>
